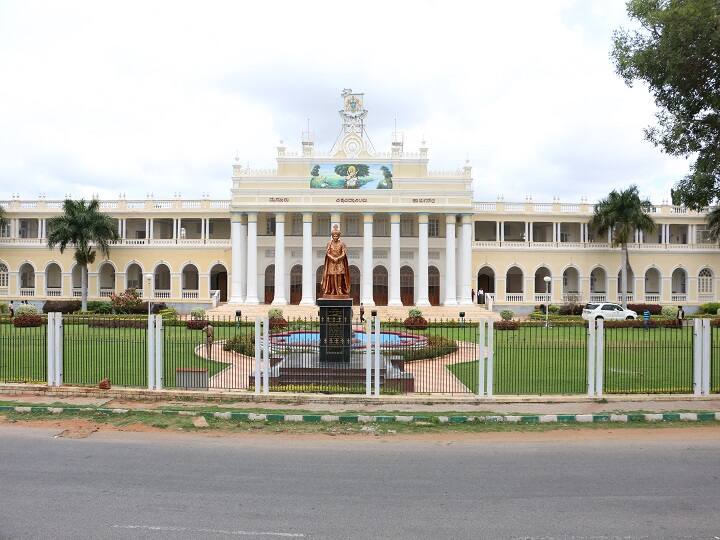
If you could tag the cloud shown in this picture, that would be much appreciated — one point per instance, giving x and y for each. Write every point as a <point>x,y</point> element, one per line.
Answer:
<point>136,97</point>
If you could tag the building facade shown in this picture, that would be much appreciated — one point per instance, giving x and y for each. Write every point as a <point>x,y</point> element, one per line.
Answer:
<point>414,237</point>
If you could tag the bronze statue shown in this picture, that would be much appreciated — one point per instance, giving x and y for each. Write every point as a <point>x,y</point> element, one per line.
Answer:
<point>336,273</point>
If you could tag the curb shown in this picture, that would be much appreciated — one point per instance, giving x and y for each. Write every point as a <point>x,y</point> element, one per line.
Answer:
<point>377,419</point>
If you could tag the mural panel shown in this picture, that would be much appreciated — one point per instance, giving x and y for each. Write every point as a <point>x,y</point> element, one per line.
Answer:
<point>351,176</point>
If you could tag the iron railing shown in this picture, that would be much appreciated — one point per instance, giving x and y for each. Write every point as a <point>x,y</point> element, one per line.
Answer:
<point>23,352</point>
<point>714,359</point>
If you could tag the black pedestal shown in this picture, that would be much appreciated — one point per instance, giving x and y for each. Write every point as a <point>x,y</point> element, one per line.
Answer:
<point>335,329</point>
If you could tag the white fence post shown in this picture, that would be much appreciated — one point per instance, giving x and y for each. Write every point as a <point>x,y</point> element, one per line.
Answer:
<point>59,340</point>
<point>368,356</point>
<point>258,344</point>
<point>151,352</point>
<point>591,358</point>
<point>266,356</point>
<point>377,355</point>
<point>490,378</point>
<point>159,352</point>
<point>697,357</point>
<point>481,358</point>
<point>51,349</point>
<point>599,358</point>
<point>706,356</point>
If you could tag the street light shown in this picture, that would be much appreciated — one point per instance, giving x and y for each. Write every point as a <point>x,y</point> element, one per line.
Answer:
<point>148,279</point>
<point>547,280</point>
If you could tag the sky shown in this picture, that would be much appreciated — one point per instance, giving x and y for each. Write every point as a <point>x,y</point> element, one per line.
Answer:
<point>159,97</point>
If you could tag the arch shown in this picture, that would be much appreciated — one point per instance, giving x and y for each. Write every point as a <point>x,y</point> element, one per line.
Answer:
<point>541,272</point>
<point>514,280</point>
<point>571,284</point>
<point>161,279</point>
<point>653,282</point>
<point>485,282</point>
<point>106,279</point>
<point>630,281</point>
<point>269,289</point>
<point>434,285</point>
<point>380,285</point>
<point>218,279</point>
<point>407,286</point>
<point>53,279</point>
<point>27,276</point>
<point>705,282</point>
<point>296,284</point>
<point>354,283</point>
<point>318,280</point>
<point>190,277</point>
<point>107,261</point>
<point>598,282</point>
<point>52,261</point>
<point>76,275</point>
<point>678,281</point>
<point>134,276</point>
<point>4,275</point>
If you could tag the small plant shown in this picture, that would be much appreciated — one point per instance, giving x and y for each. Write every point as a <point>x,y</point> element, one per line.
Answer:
<point>100,306</point>
<point>126,302</point>
<point>506,324</point>
<point>241,344</point>
<point>196,324</point>
<point>415,320</point>
<point>276,319</point>
<point>197,314</point>
<point>275,313</point>
<point>4,308</point>
<point>554,310</point>
<point>25,309</point>
<point>169,314</point>
<point>28,320</point>
<point>669,311</point>
<point>414,313</point>
<point>506,315</point>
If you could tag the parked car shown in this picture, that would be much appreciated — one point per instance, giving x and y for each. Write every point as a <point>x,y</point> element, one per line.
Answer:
<point>605,310</point>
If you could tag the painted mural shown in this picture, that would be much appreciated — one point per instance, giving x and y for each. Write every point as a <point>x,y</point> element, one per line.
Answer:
<point>351,176</point>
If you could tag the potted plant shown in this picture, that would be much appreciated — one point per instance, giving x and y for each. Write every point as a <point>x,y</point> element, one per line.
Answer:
<point>415,320</point>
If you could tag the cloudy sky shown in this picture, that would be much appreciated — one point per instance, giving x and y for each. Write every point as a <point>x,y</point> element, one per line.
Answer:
<point>138,97</point>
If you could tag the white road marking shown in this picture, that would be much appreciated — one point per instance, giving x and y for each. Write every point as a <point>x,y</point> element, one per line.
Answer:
<point>160,528</point>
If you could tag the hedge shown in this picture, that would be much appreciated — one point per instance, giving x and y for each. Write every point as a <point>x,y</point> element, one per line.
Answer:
<point>28,321</point>
<point>61,306</point>
<point>654,309</point>
<point>116,323</point>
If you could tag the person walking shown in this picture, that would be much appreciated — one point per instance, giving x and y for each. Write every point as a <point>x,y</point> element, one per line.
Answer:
<point>362,312</point>
<point>12,309</point>
<point>680,316</point>
<point>209,338</point>
<point>646,319</point>
<point>472,295</point>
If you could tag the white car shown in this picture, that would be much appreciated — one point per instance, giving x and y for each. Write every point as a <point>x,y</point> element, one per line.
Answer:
<point>610,312</point>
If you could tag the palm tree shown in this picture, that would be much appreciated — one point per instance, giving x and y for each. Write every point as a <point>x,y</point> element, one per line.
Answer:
<point>3,217</point>
<point>623,212</point>
<point>86,228</point>
<point>714,223</point>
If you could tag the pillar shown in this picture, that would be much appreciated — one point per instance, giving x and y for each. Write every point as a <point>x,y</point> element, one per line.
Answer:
<point>308,283</point>
<point>279,298</point>
<point>466,260</point>
<point>252,297</point>
<point>423,298</point>
<point>394,297</point>
<point>450,298</point>
<point>236,283</point>
<point>243,254</point>
<point>367,261</point>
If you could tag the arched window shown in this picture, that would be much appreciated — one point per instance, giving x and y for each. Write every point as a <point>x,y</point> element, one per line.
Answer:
<point>3,275</point>
<point>705,281</point>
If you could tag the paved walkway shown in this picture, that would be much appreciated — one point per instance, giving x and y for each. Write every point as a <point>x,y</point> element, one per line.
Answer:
<point>433,376</point>
<point>234,377</point>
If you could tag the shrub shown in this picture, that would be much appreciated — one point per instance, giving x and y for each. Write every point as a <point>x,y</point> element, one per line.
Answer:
<point>126,302</point>
<point>99,306</point>
<point>414,313</point>
<point>61,306</point>
<point>168,314</point>
<point>4,308</point>
<point>638,323</point>
<point>415,320</point>
<point>669,312</point>
<point>711,308</point>
<point>654,309</point>
<point>275,313</point>
<point>195,324</point>
<point>506,315</point>
<point>116,322</point>
<point>571,309</point>
<point>243,344</point>
<point>25,309</point>
<point>197,314</point>
<point>554,310</point>
<point>28,320</point>
<point>276,319</point>
<point>436,346</point>
<point>506,325</point>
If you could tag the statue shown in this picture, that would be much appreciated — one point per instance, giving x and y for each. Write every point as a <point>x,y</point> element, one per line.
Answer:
<point>336,273</point>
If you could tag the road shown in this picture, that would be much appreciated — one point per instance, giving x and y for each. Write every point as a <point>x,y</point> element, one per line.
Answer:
<point>654,483</point>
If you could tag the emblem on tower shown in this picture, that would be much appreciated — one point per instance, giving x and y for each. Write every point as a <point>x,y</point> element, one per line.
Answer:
<point>353,139</point>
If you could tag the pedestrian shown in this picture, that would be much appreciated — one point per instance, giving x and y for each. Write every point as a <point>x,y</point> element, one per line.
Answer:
<point>209,335</point>
<point>481,296</point>
<point>362,312</point>
<point>680,316</point>
<point>646,319</point>
<point>472,295</point>
<point>12,309</point>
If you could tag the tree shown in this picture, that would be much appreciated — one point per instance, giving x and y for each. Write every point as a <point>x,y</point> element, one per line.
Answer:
<point>83,226</point>
<point>622,212</point>
<point>676,52</point>
<point>3,217</point>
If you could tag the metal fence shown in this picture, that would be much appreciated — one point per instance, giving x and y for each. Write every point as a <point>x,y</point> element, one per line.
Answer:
<point>23,352</point>
<point>715,359</point>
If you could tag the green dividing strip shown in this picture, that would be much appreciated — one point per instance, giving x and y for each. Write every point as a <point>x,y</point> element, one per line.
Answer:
<point>241,416</point>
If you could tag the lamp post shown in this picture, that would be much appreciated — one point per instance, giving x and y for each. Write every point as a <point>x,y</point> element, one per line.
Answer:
<point>148,279</point>
<point>547,280</point>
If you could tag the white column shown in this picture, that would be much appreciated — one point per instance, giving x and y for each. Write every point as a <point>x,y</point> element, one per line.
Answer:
<point>423,298</point>
<point>243,254</point>
<point>531,227</point>
<point>237,257</point>
<point>279,299</point>
<point>123,228</point>
<point>252,297</point>
<point>450,291</point>
<point>394,299</point>
<point>308,283</point>
<point>497,231</point>
<point>39,228</point>
<point>152,228</point>
<point>554,232</point>
<point>527,232</point>
<point>466,260</point>
<point>367,261</point>
<point>502,230</point>
<point>175,229</point>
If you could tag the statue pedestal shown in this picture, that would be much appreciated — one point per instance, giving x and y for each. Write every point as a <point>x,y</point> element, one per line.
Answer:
<point>335,329</point>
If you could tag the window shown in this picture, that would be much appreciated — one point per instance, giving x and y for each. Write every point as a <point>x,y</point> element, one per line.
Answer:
<point>702,235</point>
<point>270,226</point>
<point>407,225</point>
<point>352,226</point>
<point>322,226</point>
<point>380,226</point>
<point>705,281</point>
<point>297,221</point>
<point>5,231</point>
<point>434,227</point>
<point>3,275</point>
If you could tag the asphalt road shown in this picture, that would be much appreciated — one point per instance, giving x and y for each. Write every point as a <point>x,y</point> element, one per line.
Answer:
<point>123,485</point>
